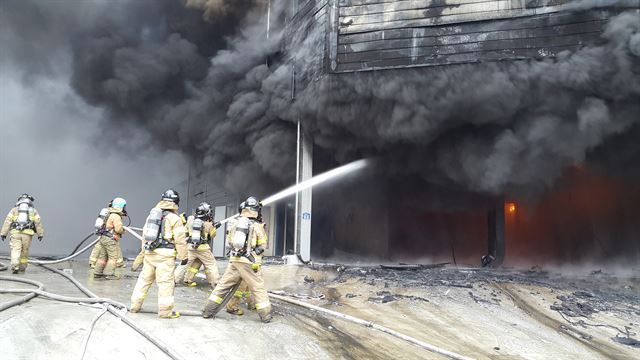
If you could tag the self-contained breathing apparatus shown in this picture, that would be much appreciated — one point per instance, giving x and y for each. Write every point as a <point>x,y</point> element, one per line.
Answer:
<point>101,223</point>
<point>240,243</point>
<point>153,231</point>
<point>198,236</point>
<point>23,220</point>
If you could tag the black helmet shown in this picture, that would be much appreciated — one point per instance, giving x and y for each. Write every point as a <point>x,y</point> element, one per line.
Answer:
<point>25,198</point>
<point>251,203</point>
<point>203,210</point>
<point>171,195</point>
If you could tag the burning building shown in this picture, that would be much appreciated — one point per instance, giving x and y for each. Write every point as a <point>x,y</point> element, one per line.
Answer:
<point>504,127</point>
<point>461,103</point>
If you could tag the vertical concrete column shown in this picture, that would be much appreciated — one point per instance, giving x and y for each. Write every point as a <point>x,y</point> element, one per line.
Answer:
<point>304,198</point>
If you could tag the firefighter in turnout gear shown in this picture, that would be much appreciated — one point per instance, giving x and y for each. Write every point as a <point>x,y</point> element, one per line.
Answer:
<point>110,228</point>
<point>247,239</point>
<point>165,238</point>
<point>96,250</point>
<point>22,222</point>
<point>201,232</point>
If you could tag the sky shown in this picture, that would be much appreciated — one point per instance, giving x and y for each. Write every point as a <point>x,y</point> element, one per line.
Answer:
<point>51,148</point>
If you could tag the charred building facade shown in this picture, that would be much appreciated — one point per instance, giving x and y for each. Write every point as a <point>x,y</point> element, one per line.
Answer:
<point>344,59</point>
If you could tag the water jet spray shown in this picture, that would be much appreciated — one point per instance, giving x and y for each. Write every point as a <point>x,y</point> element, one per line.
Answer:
<point>316,180</point>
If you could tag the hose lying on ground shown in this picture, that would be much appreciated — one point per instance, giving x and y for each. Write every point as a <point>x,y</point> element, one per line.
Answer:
<point>374,326</point>
<point>167,350</point>
<point>57,297</point>
<point>23,299</point>
<point>93,324</point>
<point>227,298</point>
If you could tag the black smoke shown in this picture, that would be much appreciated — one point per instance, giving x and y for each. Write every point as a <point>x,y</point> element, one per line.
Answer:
<point>201,83</point>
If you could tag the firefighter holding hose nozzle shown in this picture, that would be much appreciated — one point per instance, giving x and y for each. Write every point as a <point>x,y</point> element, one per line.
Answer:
<point>22,222</point>
<point>201,230</point>
<point>164,235</point>
<point>247,239</point>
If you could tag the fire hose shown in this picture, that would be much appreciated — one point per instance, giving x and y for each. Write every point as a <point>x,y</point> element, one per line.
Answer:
<point>374,326</point>
<point>93,298</point>
<point>24,299</point>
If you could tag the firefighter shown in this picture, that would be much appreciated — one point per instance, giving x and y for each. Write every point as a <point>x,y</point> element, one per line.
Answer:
<point>247,239</point>
<point>96,250</point>
<point>165,237</point>
<point>201,231</point>
<point>22,222</point>
<point>110,232</point>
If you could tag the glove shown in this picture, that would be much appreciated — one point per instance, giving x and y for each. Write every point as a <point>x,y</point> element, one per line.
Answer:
<point>39,238</point>
<point>3,237</point>
<point>184,261</point>
<point>217,224</point>
<point>255,267</point>
<point>259,250</point>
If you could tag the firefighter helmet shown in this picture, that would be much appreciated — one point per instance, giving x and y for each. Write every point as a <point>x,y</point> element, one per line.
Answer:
<point>171,195</point>
<point>203,210</point>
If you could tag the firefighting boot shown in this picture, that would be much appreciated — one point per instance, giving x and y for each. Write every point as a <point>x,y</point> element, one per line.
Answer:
<point>235,311</point>
<point>210,310</point>
<point>173,315</point>
<point>265,315</point>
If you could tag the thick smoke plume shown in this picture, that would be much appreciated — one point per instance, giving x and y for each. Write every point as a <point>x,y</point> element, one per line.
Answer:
<point>490,127</point>
<point>203,85</point>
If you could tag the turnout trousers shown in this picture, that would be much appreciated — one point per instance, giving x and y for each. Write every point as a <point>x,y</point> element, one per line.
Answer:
<point>202,255</point>
<point>233,306</point>
<point>236,272</point>
<point>20,244</point>
<point>158,266</point>
<point>107,256</point>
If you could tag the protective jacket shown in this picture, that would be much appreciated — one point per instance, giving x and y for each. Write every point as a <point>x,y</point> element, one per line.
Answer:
<point>35,228</point>
<point>114,224</point>
<point>208,232</point>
